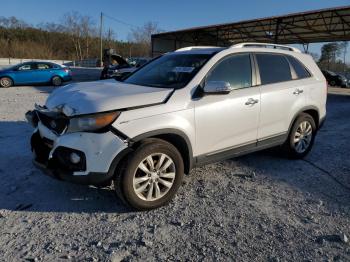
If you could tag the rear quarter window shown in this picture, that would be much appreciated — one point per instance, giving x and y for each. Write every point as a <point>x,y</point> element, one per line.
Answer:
<point>299,68</point>
<point>273,68</point>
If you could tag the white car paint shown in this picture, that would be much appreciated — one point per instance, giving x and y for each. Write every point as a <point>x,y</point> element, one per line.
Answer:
<point>91,97</point>
<point>212,124</point>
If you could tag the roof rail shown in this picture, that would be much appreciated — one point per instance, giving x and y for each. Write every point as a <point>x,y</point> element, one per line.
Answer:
<point>267,45</point>
<point>193,48</point>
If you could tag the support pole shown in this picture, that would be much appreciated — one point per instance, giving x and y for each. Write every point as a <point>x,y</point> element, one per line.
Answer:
<point>276,31</point>
<point>101,55</point>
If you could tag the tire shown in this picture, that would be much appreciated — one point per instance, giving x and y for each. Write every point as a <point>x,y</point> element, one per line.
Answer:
<point>56,81</point>
<point>301,137</point>
<point>6,82</point>
<point>332,83</point>
<point>156,187</point>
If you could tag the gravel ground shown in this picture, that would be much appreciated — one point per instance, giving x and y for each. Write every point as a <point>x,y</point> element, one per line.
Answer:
<point>259,207</point>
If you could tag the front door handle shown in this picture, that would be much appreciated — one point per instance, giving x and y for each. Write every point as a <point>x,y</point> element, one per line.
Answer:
<point>252,101</point>
<point>298,91</point>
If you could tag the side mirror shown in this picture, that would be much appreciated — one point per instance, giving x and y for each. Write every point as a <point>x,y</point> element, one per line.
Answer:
<point>217,87</point>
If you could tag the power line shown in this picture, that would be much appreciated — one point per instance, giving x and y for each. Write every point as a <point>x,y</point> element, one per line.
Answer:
<point>118,21</point>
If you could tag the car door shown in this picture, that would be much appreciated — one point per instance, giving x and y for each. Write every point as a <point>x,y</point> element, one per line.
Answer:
<point>43,72</point>
<point>24,73</point>
<point>228,121</point>
<point>282,95</point>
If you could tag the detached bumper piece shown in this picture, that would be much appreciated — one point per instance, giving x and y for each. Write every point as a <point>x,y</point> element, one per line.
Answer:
<point>63,163</point>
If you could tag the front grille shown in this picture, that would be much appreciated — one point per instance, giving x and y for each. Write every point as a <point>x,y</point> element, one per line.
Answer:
<point>54,121</point>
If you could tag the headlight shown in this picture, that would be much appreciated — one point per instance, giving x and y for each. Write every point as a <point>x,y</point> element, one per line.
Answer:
<point>92,122</point>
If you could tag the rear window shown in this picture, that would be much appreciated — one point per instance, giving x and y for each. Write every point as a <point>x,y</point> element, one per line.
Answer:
<point>299,68</point>
<point>273,68</point>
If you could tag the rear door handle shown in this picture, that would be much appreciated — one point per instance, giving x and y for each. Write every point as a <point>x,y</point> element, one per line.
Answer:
<point>252,101</point>
<point>298,91</point>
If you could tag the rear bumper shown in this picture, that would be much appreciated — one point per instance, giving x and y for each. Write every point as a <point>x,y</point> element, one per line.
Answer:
<point>67,78</point>
<point>322,120</point>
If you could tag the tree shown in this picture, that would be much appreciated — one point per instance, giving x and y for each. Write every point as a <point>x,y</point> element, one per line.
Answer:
<point>142,36</point>
<point>329,54</point>
<point>80,28</point>
<point>343,46</point>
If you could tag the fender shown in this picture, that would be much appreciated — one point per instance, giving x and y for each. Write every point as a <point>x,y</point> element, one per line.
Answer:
<point>302,110</point>
<point>168,131</point>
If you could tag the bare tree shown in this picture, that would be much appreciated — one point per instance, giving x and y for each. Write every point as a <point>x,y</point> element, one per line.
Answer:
<point>81,29</point>
<point>142,35</point>
<point>88,30</point>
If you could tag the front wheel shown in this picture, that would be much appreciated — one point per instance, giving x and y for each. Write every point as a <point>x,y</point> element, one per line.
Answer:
<point>301,137</point>
<point>151,176</point>
<point>6,82</point>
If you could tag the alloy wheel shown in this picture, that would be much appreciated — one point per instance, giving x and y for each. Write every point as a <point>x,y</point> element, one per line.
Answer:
<point>5,82</point>
<point>154,177</point>
<point>303,137</point>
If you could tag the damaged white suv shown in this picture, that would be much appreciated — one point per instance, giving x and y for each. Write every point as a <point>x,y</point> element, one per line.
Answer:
<point>184,109</point>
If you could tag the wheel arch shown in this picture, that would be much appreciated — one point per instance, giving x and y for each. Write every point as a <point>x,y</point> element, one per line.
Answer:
<point>176,137</point>
<point>312,111</point>
<point>8,76</point>
<point>56,75</point>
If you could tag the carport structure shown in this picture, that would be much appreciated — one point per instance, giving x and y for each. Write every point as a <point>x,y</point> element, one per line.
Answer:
<point>326,25</point>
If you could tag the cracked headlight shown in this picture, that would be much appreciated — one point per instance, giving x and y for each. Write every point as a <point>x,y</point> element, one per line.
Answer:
<point>92,122</point>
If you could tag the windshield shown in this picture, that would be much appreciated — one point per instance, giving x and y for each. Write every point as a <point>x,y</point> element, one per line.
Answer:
<point>172,70</point>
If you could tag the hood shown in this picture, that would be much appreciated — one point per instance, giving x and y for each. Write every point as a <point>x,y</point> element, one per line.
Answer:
<point>120,60</point>
<point>101,96</point>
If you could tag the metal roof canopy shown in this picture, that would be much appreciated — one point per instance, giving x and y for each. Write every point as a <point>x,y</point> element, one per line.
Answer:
<point>326,25</point>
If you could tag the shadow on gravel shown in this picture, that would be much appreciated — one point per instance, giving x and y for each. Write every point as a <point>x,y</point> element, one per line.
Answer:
<point>24,188</point>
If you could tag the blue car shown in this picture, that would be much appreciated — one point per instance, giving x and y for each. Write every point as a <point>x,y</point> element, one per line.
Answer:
<point>35,73</point>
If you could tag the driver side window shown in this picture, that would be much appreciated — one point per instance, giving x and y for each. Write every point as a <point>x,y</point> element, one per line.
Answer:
<point>235,69</point>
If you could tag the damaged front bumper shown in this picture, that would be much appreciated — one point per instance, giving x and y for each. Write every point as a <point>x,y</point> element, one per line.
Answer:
<point>80,157</point>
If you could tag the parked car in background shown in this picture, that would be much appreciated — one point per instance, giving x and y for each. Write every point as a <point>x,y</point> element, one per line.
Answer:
<point>184,109</point>
<point>35,72</point>
<point>334,79</point>
<point>121,67</point>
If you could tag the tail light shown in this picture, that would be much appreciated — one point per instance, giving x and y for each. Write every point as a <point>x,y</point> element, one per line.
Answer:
<point>67,70</point>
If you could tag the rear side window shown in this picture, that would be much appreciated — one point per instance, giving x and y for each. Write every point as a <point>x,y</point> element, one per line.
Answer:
<point>43,66</point>
<point>235,70</point>
<point>299,68</point>
<point>273,68</point>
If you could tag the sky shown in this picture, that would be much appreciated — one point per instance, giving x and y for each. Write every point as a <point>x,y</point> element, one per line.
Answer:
<point>170,15</point>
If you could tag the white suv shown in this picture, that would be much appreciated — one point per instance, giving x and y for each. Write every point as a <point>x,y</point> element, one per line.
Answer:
<point>184,109</point>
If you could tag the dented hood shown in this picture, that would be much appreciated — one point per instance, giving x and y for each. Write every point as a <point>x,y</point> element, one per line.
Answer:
<point>100,96</point>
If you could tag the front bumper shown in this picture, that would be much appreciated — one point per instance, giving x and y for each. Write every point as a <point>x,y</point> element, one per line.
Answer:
<point>99,154</point>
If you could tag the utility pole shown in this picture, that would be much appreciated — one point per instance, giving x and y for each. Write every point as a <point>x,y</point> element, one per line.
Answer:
<point>101,23</point>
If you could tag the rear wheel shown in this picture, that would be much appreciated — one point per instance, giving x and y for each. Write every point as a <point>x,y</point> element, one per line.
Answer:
<point>56,81</point>
<point>301,137</point>
<point>6,82</point>
<point>151,175</point>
